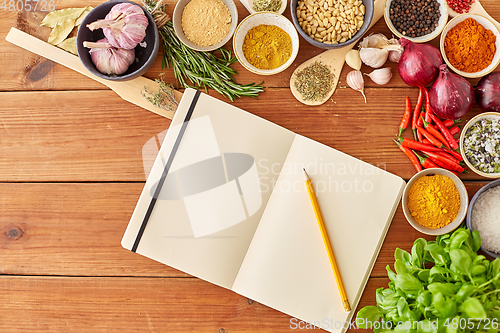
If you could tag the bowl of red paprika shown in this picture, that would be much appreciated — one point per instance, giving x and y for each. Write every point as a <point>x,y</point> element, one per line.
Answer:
<point>469,45</point>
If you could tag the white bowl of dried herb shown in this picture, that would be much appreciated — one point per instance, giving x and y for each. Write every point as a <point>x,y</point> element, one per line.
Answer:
<point>266,43</point>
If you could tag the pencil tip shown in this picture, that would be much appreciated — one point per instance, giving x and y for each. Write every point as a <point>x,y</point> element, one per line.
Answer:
<point>304,169</point>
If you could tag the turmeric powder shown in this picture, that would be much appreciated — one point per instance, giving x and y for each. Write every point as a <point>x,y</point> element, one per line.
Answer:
<point>267,46</point>
<point>434,201</point>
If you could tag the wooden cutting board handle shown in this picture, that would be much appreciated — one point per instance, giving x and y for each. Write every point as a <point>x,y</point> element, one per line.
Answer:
<point>128,90</point>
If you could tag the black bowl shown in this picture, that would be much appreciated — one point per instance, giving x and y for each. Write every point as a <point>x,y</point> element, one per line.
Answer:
<point>468,219</point>
<point>145,56</point>
<point>369,8</point>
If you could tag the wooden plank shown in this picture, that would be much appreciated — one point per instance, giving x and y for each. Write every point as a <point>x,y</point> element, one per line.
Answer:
<point>96,136</point>
<point>76,229</point>
<point>63,304</point>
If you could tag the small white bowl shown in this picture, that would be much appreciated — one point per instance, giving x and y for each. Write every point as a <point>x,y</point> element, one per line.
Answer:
<point>177,22</point>
<point>487,24</point>
<point>249,6</point>
<point>464,202</point>
<point>488,115</point>
<point>267,18</point>
<point>443,8</point>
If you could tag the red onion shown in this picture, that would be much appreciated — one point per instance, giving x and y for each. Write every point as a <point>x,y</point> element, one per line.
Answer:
<point>419,63</point>
<point>488,93</point>
<point>451,96</point>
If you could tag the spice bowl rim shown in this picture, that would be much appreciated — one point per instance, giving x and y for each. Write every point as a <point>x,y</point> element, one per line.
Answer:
<point>464,201</point>
<point>443,19</point>
<point>177,23</point>
<point>84,53</point>
<point>369,10</point>
<point>249,6</point>
<point>471,122</point>
<point>278,20</point>
<point>487,24</point>
<point>468,219</point>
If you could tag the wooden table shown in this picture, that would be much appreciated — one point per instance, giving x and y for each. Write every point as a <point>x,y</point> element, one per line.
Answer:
<point>72,171</point>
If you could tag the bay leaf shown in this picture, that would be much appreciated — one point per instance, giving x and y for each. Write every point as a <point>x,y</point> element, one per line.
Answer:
<point>57,17</point>
<point>85,12</point>
<point>69,44</point>
<point>61,31</point>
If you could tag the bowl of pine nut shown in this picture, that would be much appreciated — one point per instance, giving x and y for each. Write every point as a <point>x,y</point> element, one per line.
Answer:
<point>330,24</point>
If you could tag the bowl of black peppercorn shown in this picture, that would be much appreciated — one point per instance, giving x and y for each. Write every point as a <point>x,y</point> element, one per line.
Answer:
<point>417,20</point>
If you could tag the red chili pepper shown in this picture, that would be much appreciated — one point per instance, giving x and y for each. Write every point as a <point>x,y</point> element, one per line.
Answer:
<point>425,161</point>
<point>418,145</point>
<point>455,154</point>
<point>428,109</point>
<point>406,116</point>
<point>450,122</point>
<point>416,112</point>
<point>444,162</point>
<point>454,130</point>
<point>434,132</point>
<point>443,154</point>
<point>420,123</point>
<point>445,131</point>
<point>411,156</point>
<point>429,137</point>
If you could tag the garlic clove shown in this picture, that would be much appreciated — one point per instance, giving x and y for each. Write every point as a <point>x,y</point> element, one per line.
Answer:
<point>373,57</point>
<point>394,56</point>
<point>355,81</point>
<point>381,76</point>
<point>374,40</point>
<point>353,60</point>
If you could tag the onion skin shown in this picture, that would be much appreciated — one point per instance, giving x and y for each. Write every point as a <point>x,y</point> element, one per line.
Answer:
<point>419,63</point>
<point>488,93</point>
<point>451,96</point>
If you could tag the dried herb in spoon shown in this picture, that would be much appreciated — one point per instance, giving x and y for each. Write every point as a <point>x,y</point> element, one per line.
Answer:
<point>314,82</point>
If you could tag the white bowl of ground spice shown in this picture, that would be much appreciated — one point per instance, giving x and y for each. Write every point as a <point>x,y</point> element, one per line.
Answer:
<point>205,25</point>
<point>435,201</point>
<point>266,43</point>
<point>469,45</point>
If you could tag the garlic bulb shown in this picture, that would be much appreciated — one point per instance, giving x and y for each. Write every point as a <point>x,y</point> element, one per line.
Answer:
<point>394,56</point>
<point>124,26</point>
<point>355,81</point>
<point>353,60</point>
<point>108,59</point>
<point>381,76</point>
<point>373,57</point>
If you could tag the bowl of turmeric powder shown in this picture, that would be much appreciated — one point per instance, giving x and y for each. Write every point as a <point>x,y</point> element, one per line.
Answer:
<point>435,201</point>
<point>469,45</point>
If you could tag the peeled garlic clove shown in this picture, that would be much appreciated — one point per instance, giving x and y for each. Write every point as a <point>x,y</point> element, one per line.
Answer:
<point>394,56</point>
<point>353,60</point>
<point>355,81</point>
<point>381,76</point>
<point>373,57</point>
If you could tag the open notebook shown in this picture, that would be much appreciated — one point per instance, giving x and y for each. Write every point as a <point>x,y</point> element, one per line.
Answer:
<point>226,201</point>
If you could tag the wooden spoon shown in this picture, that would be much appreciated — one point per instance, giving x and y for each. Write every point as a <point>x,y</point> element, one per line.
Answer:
<point>128,90</point>
<point>334,59</point>
<point>475,8</point>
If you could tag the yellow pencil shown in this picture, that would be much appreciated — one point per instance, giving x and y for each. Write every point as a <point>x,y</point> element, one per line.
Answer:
<point>326,240</point>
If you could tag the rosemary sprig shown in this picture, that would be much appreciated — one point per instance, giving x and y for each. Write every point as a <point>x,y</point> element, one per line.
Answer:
<point>200,69</point>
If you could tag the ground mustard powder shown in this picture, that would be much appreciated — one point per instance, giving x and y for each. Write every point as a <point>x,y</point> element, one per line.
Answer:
<point>434,201</point>
<point>267,46</point>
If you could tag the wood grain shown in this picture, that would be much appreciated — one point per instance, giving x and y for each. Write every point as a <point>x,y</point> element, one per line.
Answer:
<point>76,229</point>
<point>65,304</point>
<point>96,136</point>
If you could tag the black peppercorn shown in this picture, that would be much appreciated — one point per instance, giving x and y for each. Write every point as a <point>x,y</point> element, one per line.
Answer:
<point>415,18</point>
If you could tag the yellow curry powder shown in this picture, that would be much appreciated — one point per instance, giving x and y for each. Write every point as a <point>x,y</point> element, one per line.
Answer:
<point>434,201</point>
<point>267,46</point>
